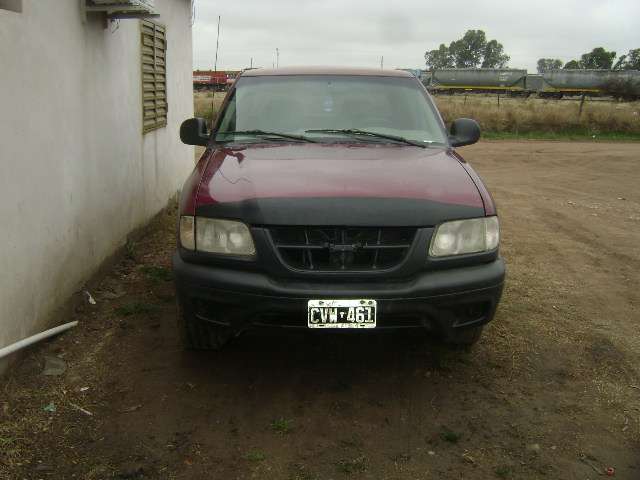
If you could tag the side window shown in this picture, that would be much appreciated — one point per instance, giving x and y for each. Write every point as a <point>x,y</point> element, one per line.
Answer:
<point>13,5</point>
<point>154,82</point>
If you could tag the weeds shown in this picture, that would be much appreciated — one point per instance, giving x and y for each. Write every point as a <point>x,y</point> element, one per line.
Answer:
<point>299,472</point>
<point>206,104</point>
<point>10,453</point>
<point>536,117</point>
<point>130,250</point>
<point>157,273</point>
<point>450,436</point>
<point>503,471</point>
<point>354,465</point>
<point>282,426</point>
<point>135,308</point>
<point>255,456</point>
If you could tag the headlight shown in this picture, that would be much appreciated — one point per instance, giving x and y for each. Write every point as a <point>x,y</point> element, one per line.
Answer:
<point>216,236</point>
<point>465,236</point>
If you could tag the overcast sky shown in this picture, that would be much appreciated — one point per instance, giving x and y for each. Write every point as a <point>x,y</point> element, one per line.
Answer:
<point>359,32</point>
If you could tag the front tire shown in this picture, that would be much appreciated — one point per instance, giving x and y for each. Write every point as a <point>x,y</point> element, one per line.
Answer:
<point>198,334</point>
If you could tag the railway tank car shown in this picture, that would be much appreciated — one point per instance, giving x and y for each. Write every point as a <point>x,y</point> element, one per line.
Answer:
<point>480,80</point>
<point>588,82</point>
<point>517,82</point>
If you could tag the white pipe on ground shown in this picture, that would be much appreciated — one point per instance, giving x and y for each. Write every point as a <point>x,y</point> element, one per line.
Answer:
<point>8,350</point>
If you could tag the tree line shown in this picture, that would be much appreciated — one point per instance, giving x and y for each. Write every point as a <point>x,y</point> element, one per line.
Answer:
<point>597,59</point>
<point>473,50</point>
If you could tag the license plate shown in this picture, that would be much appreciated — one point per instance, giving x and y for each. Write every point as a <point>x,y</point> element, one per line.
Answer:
<point>341,313</point>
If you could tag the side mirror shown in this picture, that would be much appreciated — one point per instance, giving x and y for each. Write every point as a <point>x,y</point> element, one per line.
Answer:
<point>464,131</point>
<point>194,132</point>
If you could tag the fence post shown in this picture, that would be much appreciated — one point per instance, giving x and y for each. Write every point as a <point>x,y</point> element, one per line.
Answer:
<point>498,100</point>
<point>581,105</point>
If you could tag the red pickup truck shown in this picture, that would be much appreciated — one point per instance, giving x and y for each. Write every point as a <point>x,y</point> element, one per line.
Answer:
<point>334,199</point>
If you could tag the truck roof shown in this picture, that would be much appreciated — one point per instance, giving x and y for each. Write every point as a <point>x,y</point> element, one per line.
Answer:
<point>370,72</point>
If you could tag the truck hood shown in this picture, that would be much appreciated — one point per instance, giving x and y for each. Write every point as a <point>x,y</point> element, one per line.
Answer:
<point>337,184</point>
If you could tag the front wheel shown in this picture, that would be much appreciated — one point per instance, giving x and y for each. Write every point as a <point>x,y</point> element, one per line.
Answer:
<point>198,334</point>
<point>464,337</point>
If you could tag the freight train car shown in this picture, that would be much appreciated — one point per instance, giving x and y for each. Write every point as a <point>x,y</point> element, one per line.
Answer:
<point>558,83</point>
<point>213,80</point>
<point>552,84</point>
<point>475,80</point>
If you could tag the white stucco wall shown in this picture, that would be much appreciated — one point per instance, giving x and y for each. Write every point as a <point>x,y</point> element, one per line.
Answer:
<point>76,172</point>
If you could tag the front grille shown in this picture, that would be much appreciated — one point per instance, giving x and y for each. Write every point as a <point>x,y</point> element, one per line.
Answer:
<point>342,248</point>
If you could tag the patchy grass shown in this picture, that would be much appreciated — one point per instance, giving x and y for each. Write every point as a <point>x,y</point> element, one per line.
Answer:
<point>503,471</point>
<point>135,308</point>
<point>10,452</point>
<point>537,118</point>
<point>255,456</point>
<point>563,136</point>
<point>353,465</point>
<point>450,436</point>
<point>282,425</point>
<point>300,472</point>
<point>156,273</point>
<point>130,250</point>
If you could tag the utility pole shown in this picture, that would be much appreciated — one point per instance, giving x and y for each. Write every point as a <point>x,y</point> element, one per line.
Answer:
<point>215,63</point>
<point>277,57</point>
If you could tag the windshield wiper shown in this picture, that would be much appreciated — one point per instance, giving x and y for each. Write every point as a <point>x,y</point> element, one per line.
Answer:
<point>260,133</point>
<point>356,132</point>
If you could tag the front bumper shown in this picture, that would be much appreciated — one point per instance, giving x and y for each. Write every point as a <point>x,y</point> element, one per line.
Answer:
<point>437,300</point>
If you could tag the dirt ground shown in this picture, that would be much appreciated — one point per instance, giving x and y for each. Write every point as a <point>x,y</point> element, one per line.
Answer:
<point>552,390</point>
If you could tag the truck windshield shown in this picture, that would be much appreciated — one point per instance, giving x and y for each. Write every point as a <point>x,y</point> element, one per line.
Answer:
<point>331,108</point>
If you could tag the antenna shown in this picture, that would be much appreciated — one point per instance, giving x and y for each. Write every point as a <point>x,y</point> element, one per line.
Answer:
<point>215,64</point>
